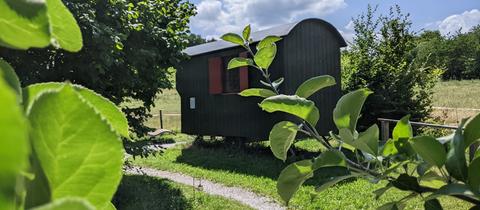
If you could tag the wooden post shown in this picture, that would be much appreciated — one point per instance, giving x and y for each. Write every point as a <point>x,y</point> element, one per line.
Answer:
<point>385,127</point>
<point>161,119</point>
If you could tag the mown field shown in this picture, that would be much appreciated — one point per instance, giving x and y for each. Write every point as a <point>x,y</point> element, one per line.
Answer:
<point>457,94</point>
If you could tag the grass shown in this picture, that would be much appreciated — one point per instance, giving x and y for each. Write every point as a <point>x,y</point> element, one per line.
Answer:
<point>138,192</point>
<point>256,169</point>
<point>457,94</point>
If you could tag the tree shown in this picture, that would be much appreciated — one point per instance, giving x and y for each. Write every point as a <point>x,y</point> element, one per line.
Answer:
<point>380,58</point>
<point>128,47</point>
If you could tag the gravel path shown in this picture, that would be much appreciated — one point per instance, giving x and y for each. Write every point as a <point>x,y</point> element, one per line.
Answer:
<point>239,194</point>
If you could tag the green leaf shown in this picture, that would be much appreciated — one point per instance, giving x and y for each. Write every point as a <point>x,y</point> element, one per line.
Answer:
<point>451,189</point>
<point>260,92</point>
<point>64,30</point>
<point>70,203</point>
<point>433,204</point>
<point>233,38</point>
<point>78,151</point>
<point>264,57</point>
<point>472,131</point>
<point>432,179</point>
<point>474,175</point>
<point>268,41</point>
<point>24,24</point>
<point>107,109</point>
<point>314,84</point>
<point>300,107</point>
<point>429,149</point>
<point>456,164</point>
<point>404,146</point>
<point>246,32</point>
<point>347,110</point>
<point>329,158</point>
<point>13,144</point>
<point>292,177</point>
<point>403,129</point>
<point>281,138</point>
<point>392,206</point>
<point>10,77</point>
<point>379,192</point>
<point>389,148</point>
<point>239,62</point>
<point>368,140</point>
<point>407,183</point>
<point>332,181</point>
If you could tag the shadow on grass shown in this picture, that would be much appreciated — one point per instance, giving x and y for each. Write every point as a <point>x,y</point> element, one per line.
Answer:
<point>139,192</point>
<point>251,160</point>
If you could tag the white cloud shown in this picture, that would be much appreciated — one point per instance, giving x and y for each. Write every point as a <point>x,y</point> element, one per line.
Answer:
<point>348,33</point>
<point>465,21</point>
<point>216,17</point>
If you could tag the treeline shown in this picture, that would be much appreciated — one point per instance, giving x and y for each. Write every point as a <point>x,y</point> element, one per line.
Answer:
<point>458,54</point>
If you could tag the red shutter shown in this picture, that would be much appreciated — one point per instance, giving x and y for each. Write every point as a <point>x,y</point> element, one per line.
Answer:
<point>243,73</point>
<point>215,75</point>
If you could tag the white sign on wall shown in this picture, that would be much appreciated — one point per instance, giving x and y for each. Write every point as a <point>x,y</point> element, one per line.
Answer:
<point>192,103</point>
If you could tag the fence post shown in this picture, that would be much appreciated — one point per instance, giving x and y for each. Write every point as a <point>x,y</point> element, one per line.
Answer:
<point>161,119</point>
<point>385,129</point>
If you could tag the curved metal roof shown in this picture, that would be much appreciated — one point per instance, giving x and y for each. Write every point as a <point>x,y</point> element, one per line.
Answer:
<point>282,30</point>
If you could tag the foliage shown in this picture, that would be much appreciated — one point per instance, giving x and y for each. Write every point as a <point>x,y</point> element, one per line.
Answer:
<point>128,47</point>
<point>443,161</point>
<point>458,53</point>
<point>60,143</point>
<point>380,59</point>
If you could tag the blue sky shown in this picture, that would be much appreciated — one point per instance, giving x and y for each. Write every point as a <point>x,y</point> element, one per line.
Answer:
<point>216,17</point>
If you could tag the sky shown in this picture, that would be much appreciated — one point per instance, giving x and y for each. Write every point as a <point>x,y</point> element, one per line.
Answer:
<point>216,17</point>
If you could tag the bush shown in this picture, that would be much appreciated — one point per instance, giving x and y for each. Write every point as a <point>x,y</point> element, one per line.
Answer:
<point>380,59</point>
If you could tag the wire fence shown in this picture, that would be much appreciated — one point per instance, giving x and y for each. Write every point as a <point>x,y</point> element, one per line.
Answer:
<point>169,121</point>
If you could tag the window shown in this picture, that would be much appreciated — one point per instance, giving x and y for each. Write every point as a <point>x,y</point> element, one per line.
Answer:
<point>222,80</point>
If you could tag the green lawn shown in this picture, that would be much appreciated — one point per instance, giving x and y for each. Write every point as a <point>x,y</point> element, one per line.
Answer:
<point>138,192</point>
<point>457,94</point>
<point>256,169</point>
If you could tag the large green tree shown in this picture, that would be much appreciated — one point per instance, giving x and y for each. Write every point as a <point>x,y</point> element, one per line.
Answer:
<point>128,47</point>
<point>381,59</point>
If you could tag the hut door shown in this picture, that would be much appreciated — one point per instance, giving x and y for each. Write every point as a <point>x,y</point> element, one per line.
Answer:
<point>243,73</point>
<point>215,75</point>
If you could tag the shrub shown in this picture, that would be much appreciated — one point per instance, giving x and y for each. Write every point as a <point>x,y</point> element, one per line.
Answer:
<point>380,59</point>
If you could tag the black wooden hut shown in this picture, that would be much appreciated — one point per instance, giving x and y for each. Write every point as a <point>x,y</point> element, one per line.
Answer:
<point>210,104</point>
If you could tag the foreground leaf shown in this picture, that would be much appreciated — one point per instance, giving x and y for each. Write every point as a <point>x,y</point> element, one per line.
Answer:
<point>407,183</point>
<point>334,180</point>
<point>347,110</point>
<point>368,140</point>
<point>456,164</point>
<point>429,149</point>
<point>292,177</point>
<point>264,57</point>
<point>451,189</point>
<point>246,32</point>
<point>239,62</point>
<point>260,92</point>
<point>281,138</point>
<point>233,38</point>
<point>329,158</point>
<point>474,175</point>
<point>300,107</point>
<point>268,41</point>
<point>24,24</point>
<point>314,84</point>
<point>13,144</point>
<point>64,30</point>
<point>472,131</point>
<point>10,77</point>
<point>403,129</point>
<point>392,206</point>
<point>433,204</point>
<point>78,151</point>
<point>67,203</point>
<point>107,109</point>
